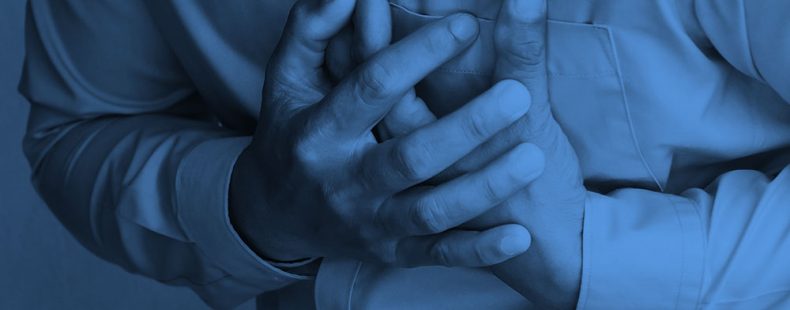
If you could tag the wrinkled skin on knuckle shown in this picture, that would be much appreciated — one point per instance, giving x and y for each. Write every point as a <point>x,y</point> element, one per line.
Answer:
<point>523,45</point>
<point>440,252</point>
<point>372,82</point>
<point>529,50</point>
<point>482,256</point>
<point>411,158</point>
<point>491,192</point>
<point>426,216</point>
<point>287,92</point>
<point>476,128</point>
<point>439,39</point>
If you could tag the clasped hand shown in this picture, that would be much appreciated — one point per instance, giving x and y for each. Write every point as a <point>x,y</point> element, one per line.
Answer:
<point>315,181</point>
<point>326,188</point>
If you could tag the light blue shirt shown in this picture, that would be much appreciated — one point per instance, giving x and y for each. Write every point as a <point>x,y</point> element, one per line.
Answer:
<point>678,111</point>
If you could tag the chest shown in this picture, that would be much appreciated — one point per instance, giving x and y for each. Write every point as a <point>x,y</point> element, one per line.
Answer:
<point>632,84</point>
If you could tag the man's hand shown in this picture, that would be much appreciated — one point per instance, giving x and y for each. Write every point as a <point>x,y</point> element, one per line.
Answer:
<point>552,206</point>
<point>315,183</point>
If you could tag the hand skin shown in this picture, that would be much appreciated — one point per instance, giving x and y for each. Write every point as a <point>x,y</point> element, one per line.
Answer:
<point>314,182</point>
<point>551,208</point>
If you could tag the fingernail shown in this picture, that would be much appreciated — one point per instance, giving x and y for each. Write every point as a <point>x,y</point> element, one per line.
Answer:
<point>463,27</point>
<point>529,10</point>
<point>512,245</point>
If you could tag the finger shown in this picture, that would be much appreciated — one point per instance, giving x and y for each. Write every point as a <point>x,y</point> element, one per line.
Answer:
<point>364,98</point>
<point>373,22</point>
<point>370,33</point>
<point>465,248</point>
<point>374,33</point>
<point>310,26</point>
<point>520,46</point>
<point>520,39</point>
<point>488,151</point>
<point>401,163</point>
<point>339,58</point>
<point>460,200</point>
<point>406,116</point>
<point>373,27</point>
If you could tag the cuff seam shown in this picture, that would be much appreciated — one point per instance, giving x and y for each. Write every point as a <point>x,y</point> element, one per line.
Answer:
<point>202,208</point>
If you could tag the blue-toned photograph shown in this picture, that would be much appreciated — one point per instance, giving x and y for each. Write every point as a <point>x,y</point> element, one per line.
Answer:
<point>394,154</point>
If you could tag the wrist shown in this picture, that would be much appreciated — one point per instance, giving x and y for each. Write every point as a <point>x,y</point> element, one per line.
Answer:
<point>549,274</point>
<point>550,279</point>
<point>247,209</point>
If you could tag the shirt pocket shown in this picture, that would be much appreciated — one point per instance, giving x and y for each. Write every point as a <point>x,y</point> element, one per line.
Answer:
<point>585,86</point>
<point>590,102</point>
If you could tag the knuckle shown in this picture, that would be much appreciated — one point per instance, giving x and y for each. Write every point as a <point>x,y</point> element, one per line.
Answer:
<point>305,22</point>
<point>491,192</point>
<point>386,253</point>
<point>427,217</point>
<point>411,160</point>
<point>482,256</point>
<point>299,12</point>
<point>299,19</point>
<point>372,82</point>
<point>438,40</point>
<point>440,252</point>
<point>477,128</point>
<point>526,49</point>
<point>383,219</point>
<point>306,153</point>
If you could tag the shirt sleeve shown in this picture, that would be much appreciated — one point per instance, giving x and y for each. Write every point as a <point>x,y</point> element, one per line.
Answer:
<point>753,36</point>
<point>724,246</point>
<point>126,157</point>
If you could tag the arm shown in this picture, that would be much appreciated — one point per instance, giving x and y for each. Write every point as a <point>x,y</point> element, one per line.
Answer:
<point>125,159</point>
<point>722,246</point>
<point>141,177</point>
<point>725,245</point>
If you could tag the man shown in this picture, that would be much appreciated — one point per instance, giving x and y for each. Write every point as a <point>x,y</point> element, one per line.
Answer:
<point>142,113</point>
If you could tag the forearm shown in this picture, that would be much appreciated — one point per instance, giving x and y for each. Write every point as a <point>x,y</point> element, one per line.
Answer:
<point>725,245</point>
<point>149,193</point>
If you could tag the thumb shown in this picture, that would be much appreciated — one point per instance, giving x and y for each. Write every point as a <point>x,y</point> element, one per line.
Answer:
<point>520,39</point>
<point>372,27</point>
<point>300,55</point>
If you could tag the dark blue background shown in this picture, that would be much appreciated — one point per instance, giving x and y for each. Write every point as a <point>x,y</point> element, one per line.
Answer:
<point>41,265</point>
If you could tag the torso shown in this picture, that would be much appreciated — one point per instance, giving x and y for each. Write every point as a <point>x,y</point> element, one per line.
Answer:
<point>646,102</point>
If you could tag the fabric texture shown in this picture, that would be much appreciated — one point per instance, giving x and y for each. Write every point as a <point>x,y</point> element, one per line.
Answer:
<point>677,109</point>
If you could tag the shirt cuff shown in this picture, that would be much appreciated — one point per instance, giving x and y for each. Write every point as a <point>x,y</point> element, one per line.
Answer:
<point>641,250</point>
<point>203,182</point>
